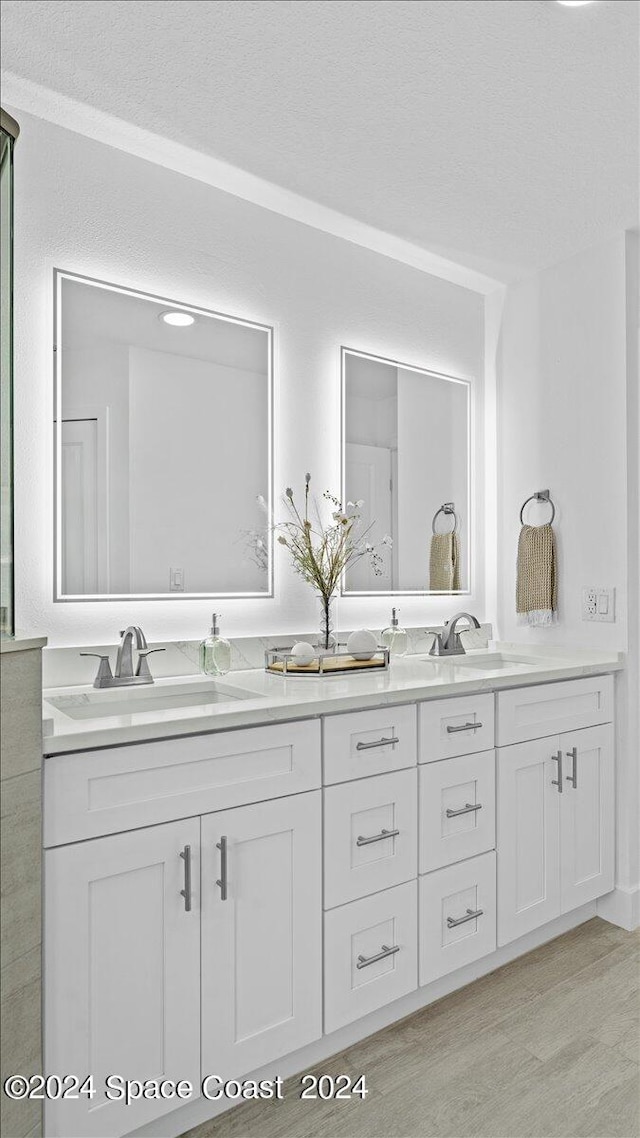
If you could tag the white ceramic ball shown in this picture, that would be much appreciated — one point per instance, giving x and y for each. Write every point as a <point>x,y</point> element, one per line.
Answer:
<point>303,653</point>
<point>362,644</point>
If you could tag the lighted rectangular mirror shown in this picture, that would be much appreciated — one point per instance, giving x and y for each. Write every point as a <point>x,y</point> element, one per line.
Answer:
<point>406,456</point>
<point>163,447</point>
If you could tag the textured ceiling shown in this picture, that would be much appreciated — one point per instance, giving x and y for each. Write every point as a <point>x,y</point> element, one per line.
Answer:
<point>499,133</point>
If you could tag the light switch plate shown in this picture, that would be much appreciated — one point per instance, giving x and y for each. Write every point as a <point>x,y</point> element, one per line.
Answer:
<point>599,604</point>
<point>176,580</point>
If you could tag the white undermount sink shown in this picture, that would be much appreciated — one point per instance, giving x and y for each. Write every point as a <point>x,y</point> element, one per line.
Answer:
<point>107,702</point>
<point>485,661</point>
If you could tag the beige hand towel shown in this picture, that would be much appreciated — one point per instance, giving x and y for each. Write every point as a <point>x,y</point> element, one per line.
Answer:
<point>444,563</point>
<point>536,587</point>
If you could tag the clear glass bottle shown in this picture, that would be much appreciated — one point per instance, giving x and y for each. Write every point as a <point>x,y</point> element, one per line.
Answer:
<point>215,652</point>
<point>395,638</point>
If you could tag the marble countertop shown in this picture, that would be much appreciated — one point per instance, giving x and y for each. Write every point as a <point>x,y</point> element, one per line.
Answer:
<point>273,699</point>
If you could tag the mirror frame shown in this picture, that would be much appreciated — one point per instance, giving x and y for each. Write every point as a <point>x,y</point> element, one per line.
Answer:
<point>60,275</point>
<point>468,558</point>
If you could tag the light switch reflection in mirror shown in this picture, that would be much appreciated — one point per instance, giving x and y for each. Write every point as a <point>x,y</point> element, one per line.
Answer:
<point>163,430</point>
<point>406,451</point>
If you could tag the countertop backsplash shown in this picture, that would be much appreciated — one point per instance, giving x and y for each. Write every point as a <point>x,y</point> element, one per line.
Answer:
<point>64,667</point>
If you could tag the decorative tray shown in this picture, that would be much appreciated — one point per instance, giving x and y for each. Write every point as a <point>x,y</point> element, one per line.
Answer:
<point>281,662</point>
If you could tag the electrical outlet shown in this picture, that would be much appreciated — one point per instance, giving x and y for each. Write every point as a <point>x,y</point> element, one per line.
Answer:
<point>599,604</point>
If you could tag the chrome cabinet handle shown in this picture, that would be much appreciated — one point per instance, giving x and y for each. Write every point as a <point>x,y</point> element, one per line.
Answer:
<point>558,781</point>
<point>468,808</point>
<point>185,854</point>
<point>470,915</point>
<point>378,743</point>
<point>365,961</point>
<point>464,727</point>
<point>377,837</point>
<point>222,880</point>
<point>573,777</point>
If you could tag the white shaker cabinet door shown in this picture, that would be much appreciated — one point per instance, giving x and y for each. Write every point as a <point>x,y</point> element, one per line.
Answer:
<point>261,933</point>
<point>588,822</point>
<point>528,837</point>
<point>370,836</point>
<point>122,971</point>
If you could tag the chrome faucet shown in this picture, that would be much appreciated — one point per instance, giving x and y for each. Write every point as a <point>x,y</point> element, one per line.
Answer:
<point>124,675</point>
<point>124,659</point>
<point>448,642</point>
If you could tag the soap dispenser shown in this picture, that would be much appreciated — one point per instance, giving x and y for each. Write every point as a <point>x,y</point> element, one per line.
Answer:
<point>215,652</point>
<point>395,638</point>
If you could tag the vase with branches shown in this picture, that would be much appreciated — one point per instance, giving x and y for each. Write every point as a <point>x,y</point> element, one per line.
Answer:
<point>323,549</point>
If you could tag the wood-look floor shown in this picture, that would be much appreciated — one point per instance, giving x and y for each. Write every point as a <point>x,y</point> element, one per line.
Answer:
<point>547,1046</point>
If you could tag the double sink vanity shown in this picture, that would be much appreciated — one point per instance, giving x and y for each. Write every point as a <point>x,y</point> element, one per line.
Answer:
<point>246,875</point>
<point>244,870</point>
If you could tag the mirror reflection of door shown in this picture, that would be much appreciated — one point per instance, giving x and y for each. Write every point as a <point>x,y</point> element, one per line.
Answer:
<point>369,478</point>
<point>79,460</point>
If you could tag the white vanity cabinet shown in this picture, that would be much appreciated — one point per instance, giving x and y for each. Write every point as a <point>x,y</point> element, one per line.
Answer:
<point>457,863</point>
<point>555,804</point>
<point>191,947</point>
<point>122,971</point>
<point>261,933</point>
<point>214,904</point>
<point>370,861</point>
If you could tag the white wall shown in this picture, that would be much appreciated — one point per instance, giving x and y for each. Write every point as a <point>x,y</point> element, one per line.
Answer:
<point>93,209</point>
<point>567,420</point>
<point>562,424</point>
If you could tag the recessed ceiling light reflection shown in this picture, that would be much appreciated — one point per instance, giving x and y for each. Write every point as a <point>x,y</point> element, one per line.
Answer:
<point>177,319</point>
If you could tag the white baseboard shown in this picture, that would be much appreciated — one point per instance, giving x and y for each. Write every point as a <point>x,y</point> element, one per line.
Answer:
<point>621,907</point>
<point>201,1110</point>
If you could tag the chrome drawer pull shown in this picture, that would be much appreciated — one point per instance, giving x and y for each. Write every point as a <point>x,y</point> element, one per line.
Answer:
<point>222,880</point>
<point>573,777</point>
<point>464,727</point>
<point>377,837</point>
<point>468,808</point>
<point>365,961</point>
<point>558,781</point>
<point>378,743</point>
<point>470,915</point>
<point>185,854</point>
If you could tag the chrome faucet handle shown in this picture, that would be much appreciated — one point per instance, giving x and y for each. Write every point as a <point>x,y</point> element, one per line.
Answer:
<point>436,647</point>
<point>142,671</point>
<point>104,675</point>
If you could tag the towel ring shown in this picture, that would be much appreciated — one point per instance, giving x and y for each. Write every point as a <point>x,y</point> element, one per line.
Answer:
<point>539,496</point>
<point>446,508</point>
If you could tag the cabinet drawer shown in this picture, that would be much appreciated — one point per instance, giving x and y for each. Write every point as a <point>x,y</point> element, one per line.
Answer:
<point>451,934</point>
<point>123,788</point>
<point>549,709</point>
<point>370,954</point>
<point>369,742</point>
<point>458,726</point>
<point>358,858</point>
<point>457,809</point>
